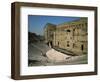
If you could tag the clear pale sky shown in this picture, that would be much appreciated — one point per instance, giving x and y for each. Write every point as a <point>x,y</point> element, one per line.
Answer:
<point>36,23</point>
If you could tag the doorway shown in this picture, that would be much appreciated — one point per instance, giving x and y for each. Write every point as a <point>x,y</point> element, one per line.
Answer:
<point>82,47</point>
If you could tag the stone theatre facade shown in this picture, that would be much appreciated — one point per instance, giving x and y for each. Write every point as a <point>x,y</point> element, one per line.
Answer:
<point>71,36</point>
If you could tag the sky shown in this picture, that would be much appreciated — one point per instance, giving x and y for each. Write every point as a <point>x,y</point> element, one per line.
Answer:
<point>36,23</point>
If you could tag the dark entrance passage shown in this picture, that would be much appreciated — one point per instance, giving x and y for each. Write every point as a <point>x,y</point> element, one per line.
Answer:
<point>82,47</point>
<point>58,44</point>
<point>51,44</point>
